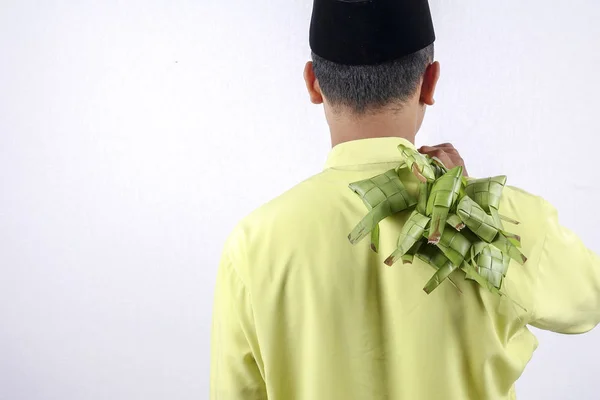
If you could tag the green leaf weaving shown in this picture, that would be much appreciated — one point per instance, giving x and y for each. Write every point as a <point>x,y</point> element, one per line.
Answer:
<point>454,225</point>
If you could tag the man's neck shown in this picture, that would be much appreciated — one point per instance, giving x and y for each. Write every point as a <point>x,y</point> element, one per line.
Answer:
<point>346,128</point>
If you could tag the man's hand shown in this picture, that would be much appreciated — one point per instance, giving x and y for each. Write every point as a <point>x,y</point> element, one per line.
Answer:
<point>447,154</point>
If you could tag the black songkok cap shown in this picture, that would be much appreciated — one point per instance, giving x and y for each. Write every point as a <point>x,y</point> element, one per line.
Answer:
<point>368,32</point>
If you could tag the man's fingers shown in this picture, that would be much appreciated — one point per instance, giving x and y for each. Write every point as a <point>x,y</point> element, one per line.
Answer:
<point>443,157</point>
<point>442,145</point>
<point>456,158</point>
<point>447,154</point>
<point>427,149</point>
<point>447,147</point>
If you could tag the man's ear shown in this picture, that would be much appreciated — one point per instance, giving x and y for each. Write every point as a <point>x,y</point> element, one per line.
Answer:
<point>430,80</point>
<point>312,84</point>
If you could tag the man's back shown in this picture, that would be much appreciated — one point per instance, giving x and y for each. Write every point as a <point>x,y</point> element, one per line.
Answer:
<point>302,314</point>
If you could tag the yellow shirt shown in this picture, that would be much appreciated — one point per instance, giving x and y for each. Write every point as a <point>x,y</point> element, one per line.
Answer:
<point>301,314</point>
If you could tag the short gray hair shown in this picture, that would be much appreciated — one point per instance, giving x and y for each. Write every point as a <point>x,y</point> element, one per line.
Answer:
<point>370,88</point>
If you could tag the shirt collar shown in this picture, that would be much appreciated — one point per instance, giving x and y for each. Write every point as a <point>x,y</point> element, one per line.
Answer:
<point>366,151</point>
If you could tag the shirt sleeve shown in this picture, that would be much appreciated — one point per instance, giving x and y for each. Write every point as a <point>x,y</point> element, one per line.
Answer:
<point>235,372</point>
<point>567,290</point>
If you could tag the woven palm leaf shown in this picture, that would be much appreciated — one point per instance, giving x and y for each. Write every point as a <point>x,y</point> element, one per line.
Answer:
<point>455,223</point>
<point>472,274</point>
<point>507,247</point>
<point>384,195</point>
<point>418,163</point>
<point>490,263</point>
<point>423,195</point>
<point>455,245</point>
<point>409,257</point>
<point>440,276</point>
<point>444,194</point>
<point>375,238</point>
<point>412,231</point>
<point>438,166</point>
<point>514,239</point>
<point>487,193</point>
<point>480,223</point>
<point>434,257</point>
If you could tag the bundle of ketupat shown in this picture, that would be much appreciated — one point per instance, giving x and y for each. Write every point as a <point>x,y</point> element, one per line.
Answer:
<point>454,222</point>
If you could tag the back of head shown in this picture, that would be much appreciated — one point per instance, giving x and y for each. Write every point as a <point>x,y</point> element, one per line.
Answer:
<point>370,54</point>
<point>370,88</point>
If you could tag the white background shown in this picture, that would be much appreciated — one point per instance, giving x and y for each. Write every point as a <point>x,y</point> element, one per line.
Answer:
<point>135,134</point>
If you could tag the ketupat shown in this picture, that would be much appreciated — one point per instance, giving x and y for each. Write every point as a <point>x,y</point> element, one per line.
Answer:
<point>434,257</point>
<point>487,193</point>
<point>474,241</point>
<point>411,233</point>
<point>491,263</point>
<point>476,219</point>
<point>443,195</point>
<point>419,164</point>
<point>384,195</point>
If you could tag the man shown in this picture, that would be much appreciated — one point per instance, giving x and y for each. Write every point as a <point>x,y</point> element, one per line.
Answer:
<point>301,314</point>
